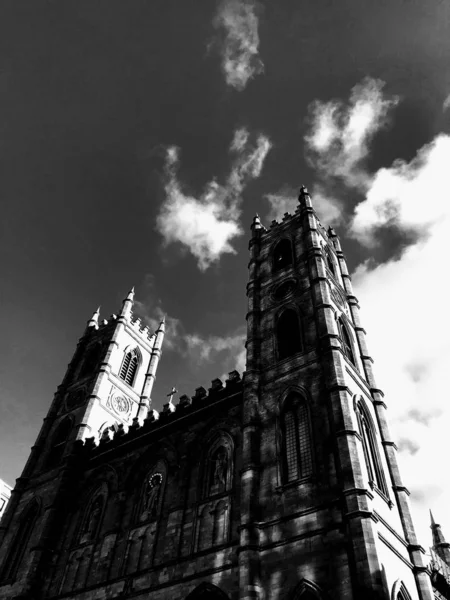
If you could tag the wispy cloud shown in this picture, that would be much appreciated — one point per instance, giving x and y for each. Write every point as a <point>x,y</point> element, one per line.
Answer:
<point>236,22</point>
<point>339,134</point>
<point>207,224</point>
<point>229,348</point>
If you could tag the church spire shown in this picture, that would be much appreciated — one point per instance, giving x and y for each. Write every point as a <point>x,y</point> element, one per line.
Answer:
<point>440,546</point>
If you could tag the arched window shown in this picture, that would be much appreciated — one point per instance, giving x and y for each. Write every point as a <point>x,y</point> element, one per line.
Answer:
<point>92,518</point>
<point>207,591</point>
<point>306,590</point>
<point>289,339</point>
<point>282,255</point>
<point>399,591</point>
<point>330,262</point>
<point>297,446</point>
<point>346,342</point>
<point>91,360</point>
<point>217,474</point>
<point>20,542</point>
<point>58,443</point>
<point>129,366</point>
<point>371,454</point>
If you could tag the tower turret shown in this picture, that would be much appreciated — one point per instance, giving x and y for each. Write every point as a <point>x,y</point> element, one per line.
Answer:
<point>440,545</point>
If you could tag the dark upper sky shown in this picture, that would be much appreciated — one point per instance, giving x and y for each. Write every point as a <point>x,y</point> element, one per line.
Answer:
<point>91,94</point>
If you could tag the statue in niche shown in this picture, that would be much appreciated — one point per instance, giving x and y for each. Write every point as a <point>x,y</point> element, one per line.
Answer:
<point>93,519</point>
<point>219,471</point>
<point>152,496</point>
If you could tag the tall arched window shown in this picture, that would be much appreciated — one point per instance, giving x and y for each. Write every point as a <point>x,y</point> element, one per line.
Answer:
<point>58,443</point>
<point>370,447</point>
<point>19,545</point>
<point>282,255</point>
<point>289,340</point>
<point>207,591</point>
<point>129,366</point>
<point>92,518</point>
<point>330,262</point>
<point>297,446</point>
<point>91,360</point>
<point>346,342</point>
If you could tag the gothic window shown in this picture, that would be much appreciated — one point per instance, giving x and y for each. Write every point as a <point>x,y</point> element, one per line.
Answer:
<point>58,443</point>
<point>217,468</point>
<point>399,591</point>
<point>129,366</point>
<point>91,360</point>
<point>297,447</point>
<point>330,262</point>
<point>289,339</point>
<point>306,590</point>
<point>346,342</point>
<point>282,255</point>
<point>207,591</point>
<point>371,455</point>
<point>20,541</point>
<point>92,519</point>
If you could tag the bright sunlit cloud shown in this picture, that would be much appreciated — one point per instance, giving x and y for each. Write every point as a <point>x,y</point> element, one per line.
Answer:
<point>339,134</point>
<point>236,22</point>
<point>207,224</point>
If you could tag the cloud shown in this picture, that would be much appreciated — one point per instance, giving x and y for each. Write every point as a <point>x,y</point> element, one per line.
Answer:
<point>338,137</point>
<point>206,225</point>
<point>230,349</point>
<point>414,196</point>
<point>237,24</point>
<point>446,103</point>
<point>329,209</point>
<point>403,309</point>
<point>199,349</point>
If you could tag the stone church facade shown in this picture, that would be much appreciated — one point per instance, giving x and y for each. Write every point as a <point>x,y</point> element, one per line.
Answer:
<point>280,485</point>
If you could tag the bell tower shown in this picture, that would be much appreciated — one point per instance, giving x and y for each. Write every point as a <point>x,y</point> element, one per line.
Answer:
<point>108,383</point>
<point>322,501</point>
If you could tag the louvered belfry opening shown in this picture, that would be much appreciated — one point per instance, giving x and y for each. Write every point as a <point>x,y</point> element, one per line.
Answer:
<point>288,334</point>
<point>297,440</point>
<point>129,367</point>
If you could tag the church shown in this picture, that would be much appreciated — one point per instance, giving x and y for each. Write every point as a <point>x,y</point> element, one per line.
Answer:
<point>280,484</point>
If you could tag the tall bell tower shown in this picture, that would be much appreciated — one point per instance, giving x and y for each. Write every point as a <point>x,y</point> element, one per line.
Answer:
<point>322,500</point>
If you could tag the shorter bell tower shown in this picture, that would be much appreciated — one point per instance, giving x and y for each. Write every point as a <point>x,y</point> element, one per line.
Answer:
<point>108,383</point>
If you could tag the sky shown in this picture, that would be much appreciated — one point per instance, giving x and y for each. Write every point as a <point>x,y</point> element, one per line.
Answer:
<point>137,141</point>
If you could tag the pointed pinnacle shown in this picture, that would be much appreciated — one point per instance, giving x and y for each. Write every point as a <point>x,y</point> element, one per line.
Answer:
<point>433,523</point>
<point>131,294</point>
<point>93,321</point>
